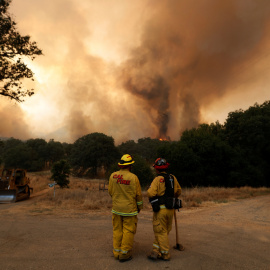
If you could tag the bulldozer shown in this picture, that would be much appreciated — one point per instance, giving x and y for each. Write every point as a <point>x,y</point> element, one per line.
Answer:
<point>14,185</point>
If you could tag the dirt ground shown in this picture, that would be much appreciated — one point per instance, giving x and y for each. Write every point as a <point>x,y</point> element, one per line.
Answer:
<point>227,236</point>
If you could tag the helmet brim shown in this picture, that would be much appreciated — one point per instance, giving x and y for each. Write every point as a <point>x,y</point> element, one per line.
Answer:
<point>161,167</point>
<point>126,163</point>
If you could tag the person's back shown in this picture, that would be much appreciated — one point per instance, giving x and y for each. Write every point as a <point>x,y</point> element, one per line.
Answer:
<point>124,187</point>
<point>163,193</point>
<point>125,190</point>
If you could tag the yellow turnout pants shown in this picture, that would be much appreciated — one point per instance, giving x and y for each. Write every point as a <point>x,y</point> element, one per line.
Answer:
<point>162,225</point>
<point>124,229</point>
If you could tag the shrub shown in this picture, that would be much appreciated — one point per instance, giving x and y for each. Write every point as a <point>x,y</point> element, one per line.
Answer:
<point>60,173</point>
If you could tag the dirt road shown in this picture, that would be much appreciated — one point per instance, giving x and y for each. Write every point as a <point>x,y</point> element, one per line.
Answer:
<point>229,236</point>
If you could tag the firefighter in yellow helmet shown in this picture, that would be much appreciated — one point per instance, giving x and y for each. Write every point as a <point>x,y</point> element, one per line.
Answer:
<point>163,194</point>
<point>125,190</point>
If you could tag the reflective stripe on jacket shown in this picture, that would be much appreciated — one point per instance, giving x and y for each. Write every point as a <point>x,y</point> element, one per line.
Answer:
<point>157,187</point>
<point>125,190</point>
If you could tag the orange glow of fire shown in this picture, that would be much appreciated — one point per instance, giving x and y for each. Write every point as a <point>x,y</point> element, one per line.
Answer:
<point>165,139</point>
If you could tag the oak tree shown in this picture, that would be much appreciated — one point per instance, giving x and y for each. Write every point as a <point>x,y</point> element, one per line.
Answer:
<point>92,152</point>
<point>14,49</point>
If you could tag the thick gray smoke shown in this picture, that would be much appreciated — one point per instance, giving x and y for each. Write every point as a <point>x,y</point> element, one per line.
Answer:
<point>189,54</point>
<point>155,92</point>
<point>12,123</point>
<point>174,60</point>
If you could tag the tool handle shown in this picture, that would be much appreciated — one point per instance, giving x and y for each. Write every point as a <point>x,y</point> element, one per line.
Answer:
<point>176,227</point>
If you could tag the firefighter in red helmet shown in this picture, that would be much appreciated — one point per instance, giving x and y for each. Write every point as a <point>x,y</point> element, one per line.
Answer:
<point>125,190</point>
<point>162,194</point>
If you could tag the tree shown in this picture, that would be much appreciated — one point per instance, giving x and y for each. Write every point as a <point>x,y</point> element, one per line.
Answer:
<point>129,147</point>
<point>184,163</point>
<point>143,170</point>
<point>91,152</point>
<point>60,173</point>
<point>249,132</point>
<point>38,153</point>
<point>148,147</point>
<point>67,148</point>
<point>13,50</point>
<point>54,151</point>
<point>200,158</point>
<point>17,154</point>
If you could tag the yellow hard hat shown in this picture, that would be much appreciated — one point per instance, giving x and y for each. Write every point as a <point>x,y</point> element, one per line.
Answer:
<point>126,160</point>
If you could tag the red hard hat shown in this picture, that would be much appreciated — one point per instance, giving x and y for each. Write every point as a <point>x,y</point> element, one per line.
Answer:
<point>161,164</point>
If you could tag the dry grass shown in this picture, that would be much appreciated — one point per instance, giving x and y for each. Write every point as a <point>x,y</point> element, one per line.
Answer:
<point>196,197</point>
<point>77,199</point>
<point>85,195</point>
<point>82,194</point>
<point>39,181</point>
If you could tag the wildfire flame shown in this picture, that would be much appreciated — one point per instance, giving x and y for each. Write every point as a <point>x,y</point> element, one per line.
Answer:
<point>167,138</point>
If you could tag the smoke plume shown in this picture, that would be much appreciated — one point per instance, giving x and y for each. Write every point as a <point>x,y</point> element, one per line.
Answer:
<point>12,122</point>
<point>133,69</point>
<point>189,54</point>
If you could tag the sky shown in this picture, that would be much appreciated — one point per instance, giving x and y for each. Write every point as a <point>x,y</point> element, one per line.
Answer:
<point>138,68</point>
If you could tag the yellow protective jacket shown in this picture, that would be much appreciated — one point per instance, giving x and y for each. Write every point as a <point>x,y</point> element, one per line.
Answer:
<point>125,190</point>
<point>157,187</point>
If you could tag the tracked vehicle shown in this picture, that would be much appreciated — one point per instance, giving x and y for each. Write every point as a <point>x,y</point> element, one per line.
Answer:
<point>14,185</point>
